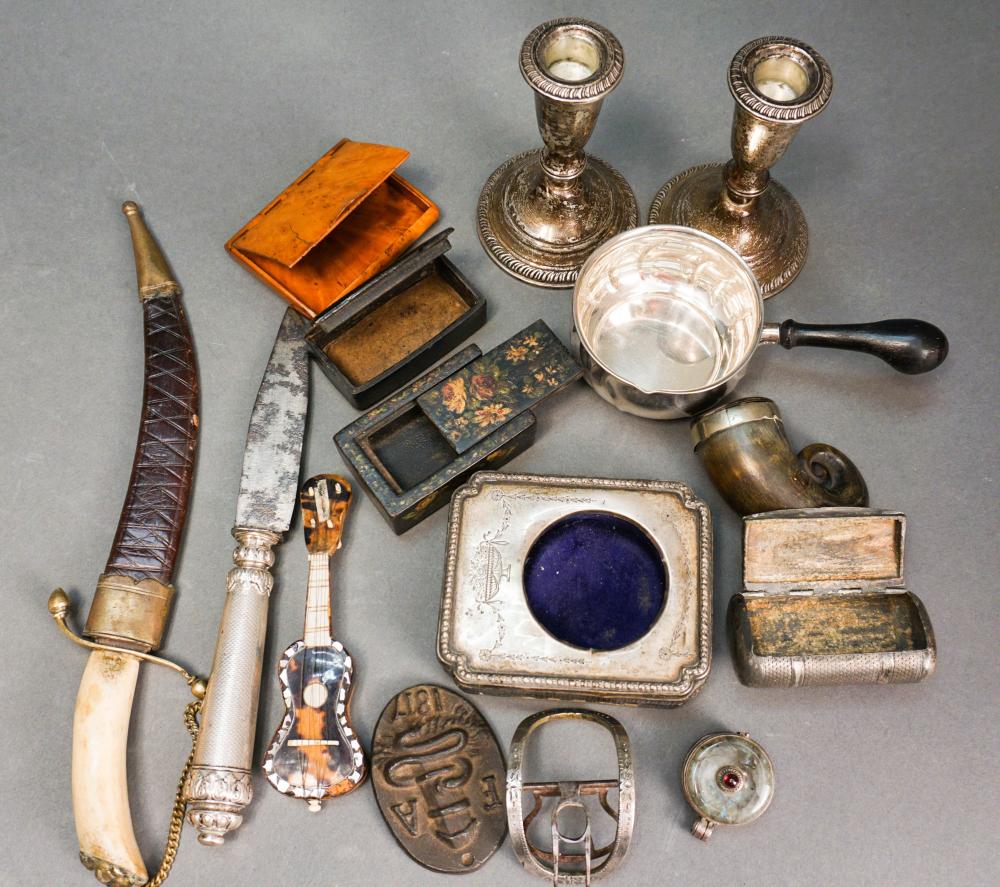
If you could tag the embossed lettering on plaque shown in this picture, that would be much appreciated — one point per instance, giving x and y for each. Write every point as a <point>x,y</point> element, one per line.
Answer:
<point>439,779</point>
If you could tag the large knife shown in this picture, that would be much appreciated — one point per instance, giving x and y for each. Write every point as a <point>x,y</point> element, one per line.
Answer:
<point>219,786</point>
<point>130,607</point>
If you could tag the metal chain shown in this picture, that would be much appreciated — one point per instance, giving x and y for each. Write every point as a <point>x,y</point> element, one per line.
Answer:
<point>177,816</point>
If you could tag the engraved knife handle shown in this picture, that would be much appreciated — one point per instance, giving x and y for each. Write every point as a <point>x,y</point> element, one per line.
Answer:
<point>219,785</point>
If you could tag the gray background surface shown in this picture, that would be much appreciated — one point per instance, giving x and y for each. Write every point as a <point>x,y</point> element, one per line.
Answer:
<point>203,112</point>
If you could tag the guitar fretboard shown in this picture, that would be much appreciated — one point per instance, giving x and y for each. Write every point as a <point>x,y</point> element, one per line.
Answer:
<point>317,631</point>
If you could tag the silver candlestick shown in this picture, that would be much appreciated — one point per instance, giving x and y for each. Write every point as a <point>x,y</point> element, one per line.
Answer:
<point>543,212</point>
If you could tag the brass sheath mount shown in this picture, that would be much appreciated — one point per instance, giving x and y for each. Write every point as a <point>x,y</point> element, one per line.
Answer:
<point>152,271</point>
<point>59,608</point>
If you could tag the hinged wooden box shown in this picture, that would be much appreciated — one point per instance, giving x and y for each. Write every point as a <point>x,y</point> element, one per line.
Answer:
<point>343,220</point>
<point>396,325</point>
<point>824,601</point>
<point>471,412</point>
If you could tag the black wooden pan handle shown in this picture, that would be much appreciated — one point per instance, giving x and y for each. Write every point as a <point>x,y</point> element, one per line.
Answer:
<point>907,345</point>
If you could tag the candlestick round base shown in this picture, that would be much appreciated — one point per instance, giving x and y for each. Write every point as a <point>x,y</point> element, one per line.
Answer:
<point>772,236</point>
<point>541,230</point>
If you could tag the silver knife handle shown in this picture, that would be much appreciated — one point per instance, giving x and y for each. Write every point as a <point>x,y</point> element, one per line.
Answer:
<point>219,785</point>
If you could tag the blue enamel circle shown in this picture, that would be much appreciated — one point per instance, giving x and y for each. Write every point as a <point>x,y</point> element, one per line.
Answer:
<point>595,580</point>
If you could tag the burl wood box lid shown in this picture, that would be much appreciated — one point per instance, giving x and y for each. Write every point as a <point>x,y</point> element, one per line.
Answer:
<point>825,601</point>
<point>343,220</point>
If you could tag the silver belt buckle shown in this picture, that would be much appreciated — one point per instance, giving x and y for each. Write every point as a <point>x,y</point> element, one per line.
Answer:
<point>596,862</point>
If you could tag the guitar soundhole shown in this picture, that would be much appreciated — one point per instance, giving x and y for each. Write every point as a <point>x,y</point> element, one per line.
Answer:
<point>315,694</point>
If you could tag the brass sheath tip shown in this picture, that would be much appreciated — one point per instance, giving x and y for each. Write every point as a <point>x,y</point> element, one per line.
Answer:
<point>153,273</point>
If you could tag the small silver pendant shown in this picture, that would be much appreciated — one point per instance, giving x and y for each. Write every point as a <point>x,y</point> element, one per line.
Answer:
<point>728,779</point>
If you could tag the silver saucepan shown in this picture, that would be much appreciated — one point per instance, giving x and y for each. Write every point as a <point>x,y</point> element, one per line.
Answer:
<point>667,318</point>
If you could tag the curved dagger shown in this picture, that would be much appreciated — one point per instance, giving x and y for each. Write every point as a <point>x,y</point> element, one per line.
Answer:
<point>218,786</point>
<point>131,604</point>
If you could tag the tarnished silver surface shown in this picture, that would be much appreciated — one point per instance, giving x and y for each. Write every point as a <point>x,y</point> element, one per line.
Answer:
<point>541,213</point>
<point>490,641</point>
<point>270,478</point>
<point>827,555</point>
<point>778,83</point>
<point>591,862</point>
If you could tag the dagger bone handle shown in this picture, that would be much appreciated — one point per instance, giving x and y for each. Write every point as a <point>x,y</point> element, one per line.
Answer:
<point>219,785</point>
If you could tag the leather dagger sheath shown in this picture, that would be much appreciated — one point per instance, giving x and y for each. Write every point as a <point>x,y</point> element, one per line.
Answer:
<point>132,601</point>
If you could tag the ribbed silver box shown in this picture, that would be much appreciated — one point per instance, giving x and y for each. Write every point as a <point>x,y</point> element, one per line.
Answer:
<point>824,601</point>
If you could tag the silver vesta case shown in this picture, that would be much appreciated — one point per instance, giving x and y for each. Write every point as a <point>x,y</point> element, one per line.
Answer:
<point>824,601</point>
<point>578,588</point>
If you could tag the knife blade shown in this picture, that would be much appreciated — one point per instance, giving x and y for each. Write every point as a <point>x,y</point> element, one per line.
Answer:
<point>270,479</point>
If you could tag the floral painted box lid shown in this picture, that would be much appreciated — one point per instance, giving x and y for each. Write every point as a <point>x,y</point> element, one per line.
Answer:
<point>411,451</point>
<point>502,384</point>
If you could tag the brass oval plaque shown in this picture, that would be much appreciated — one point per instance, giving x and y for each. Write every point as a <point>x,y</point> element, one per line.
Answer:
<point>438,775</point>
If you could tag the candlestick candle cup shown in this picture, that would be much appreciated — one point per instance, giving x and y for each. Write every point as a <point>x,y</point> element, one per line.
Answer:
<point>778,84</point>
<point>543,212</point>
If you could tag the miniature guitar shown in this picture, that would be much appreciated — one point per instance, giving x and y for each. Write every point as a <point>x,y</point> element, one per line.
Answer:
<point>315,754</point>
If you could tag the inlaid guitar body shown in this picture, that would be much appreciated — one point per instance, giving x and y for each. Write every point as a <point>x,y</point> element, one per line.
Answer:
<point>315,754</point>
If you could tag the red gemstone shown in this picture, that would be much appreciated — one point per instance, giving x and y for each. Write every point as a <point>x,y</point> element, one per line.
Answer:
<point>731,780</point>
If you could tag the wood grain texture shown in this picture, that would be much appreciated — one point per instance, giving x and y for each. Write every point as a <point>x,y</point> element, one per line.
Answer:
<point>317,201</point>
<point>343,220</point>
<point>803,550</point>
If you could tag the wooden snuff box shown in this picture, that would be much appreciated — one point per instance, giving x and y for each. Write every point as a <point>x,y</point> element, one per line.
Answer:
<point>343,220</point>
<point>578,588</point>
<point>392,328</point>
<point>824,601</point>
<point>473,411</point>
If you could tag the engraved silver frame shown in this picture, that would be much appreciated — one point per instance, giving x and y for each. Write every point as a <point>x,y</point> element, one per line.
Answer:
<point>489,641</point>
